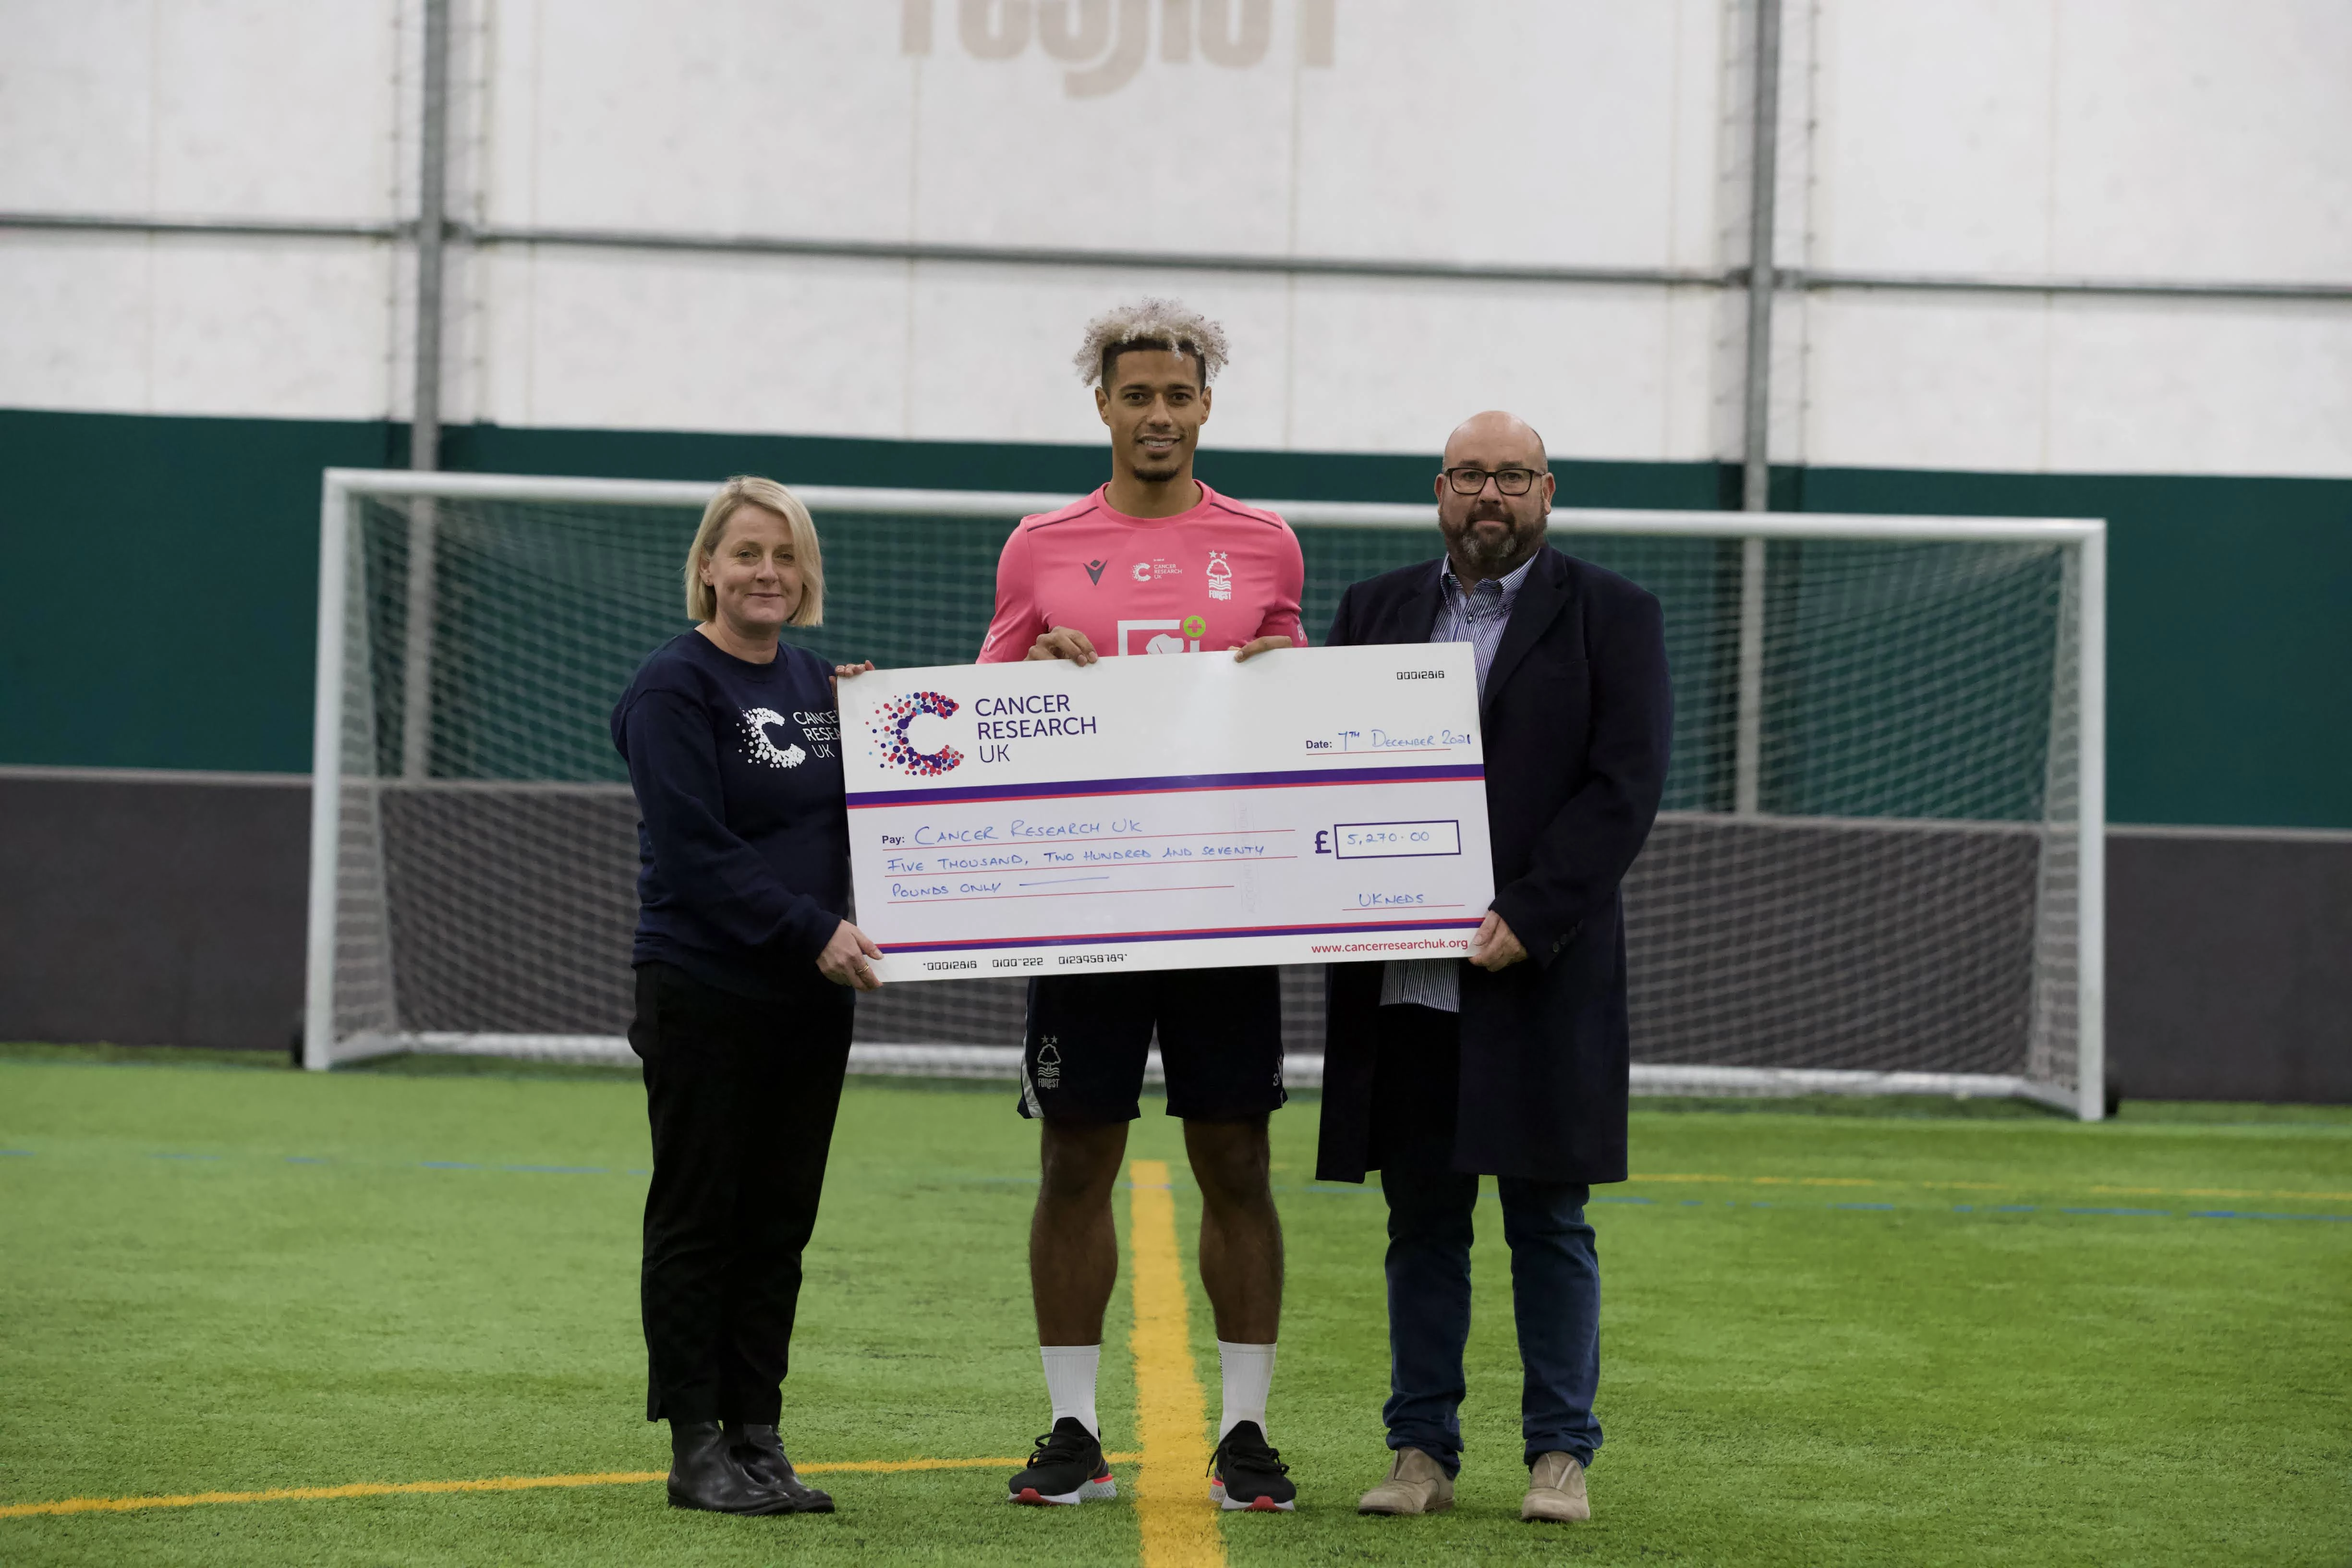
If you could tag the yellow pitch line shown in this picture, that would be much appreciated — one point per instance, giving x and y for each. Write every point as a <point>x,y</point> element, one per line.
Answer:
<point>1171,1503</point>
<point>487,1484</point>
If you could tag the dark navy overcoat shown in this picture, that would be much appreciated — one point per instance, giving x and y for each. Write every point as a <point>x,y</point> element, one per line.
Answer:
<point>1576,720</point>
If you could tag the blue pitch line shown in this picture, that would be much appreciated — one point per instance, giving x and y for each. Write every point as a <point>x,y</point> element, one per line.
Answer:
<point>20,1154</point>
<point>1976,1209</point>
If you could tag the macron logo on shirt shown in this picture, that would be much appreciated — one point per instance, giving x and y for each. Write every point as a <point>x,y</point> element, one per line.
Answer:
<point>1094,571</point>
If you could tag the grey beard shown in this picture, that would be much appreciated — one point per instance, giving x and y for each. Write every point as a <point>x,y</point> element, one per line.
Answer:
<point>1476,550</point>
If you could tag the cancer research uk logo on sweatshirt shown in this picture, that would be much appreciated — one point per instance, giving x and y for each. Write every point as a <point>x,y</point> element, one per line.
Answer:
<point>760,747</point>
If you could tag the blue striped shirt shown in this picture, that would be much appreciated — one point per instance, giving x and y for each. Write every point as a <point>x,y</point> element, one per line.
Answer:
<point>1479,617</point>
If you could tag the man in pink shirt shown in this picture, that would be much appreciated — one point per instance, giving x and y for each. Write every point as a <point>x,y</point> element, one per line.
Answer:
<point>1154,562</point>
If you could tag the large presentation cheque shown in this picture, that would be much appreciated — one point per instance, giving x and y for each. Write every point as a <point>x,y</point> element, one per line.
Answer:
<point>1311,806</point>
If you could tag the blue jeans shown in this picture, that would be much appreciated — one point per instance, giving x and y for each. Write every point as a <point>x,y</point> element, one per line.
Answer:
<point>1555,1296</point>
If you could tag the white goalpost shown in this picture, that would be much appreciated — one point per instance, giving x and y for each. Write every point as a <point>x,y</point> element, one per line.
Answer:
<point>1879,868</point>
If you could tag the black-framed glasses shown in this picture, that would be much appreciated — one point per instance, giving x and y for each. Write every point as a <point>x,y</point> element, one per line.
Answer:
<point>1510,482</point>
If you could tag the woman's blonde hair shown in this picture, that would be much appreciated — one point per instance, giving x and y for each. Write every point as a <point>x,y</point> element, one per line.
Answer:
<point>748,489</point>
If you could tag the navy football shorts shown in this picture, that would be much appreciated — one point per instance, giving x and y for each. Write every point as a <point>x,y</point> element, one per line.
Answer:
<point>1219,1042</point>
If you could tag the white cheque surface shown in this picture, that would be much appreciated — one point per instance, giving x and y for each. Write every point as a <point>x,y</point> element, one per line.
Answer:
<point>1311,806</point>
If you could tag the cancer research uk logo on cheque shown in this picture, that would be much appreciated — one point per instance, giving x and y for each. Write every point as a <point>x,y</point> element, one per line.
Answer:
<point>998,721</point>
<point>890,727</point>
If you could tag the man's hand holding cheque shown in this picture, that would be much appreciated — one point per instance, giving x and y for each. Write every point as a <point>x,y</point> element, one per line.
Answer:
<point>1492,946</point>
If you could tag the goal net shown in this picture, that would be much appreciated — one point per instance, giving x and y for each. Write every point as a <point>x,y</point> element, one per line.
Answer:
<point>1877,868</point>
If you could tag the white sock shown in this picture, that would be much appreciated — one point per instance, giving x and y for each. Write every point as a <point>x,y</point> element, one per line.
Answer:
<point>1249,1375</point>
<point>1070,1381</point>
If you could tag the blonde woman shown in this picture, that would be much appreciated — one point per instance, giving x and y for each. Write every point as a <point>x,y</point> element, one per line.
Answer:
<point>745,967</point>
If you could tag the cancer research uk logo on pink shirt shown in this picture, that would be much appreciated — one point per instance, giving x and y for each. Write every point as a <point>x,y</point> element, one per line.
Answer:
<point>890,727</point>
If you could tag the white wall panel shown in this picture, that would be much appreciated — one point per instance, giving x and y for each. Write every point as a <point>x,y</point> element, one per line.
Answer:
<point>2175,139</point>
<point>1933,139</point>
<point>728,117</point>
<point>2080,385</point>
<point>78,330</point>
<point>2225,387</point>
<point>236,109</point>
<point>77,102</point>
<point>1540,132</point>
<point>285,328</point>
<point>269,109</point>
<point>1706,55</point>
<point>704,342</point>
<point>2205,139</point>
<point>1393,367</point>
<point>1696,418</point>
<point>123,323</point>
<point>1191,156</point>
<point>1914,380</point>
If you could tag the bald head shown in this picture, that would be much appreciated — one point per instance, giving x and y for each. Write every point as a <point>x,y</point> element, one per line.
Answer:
<point>1498,440</point>
<point>1491,530</point>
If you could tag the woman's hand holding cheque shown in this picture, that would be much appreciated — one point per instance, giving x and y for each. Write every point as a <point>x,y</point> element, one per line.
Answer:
<point>845,960</point>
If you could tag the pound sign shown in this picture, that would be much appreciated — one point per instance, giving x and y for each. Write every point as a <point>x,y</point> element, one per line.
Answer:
<point>1322,842</point>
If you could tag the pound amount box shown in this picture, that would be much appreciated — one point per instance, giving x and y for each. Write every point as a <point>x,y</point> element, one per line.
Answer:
<point>1391,840</point>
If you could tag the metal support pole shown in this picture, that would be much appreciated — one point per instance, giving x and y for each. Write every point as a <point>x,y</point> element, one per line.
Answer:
<point>432,217</point>
<point>1747,749</point>
<point>1763,166</point>
<point>425,438</point>
<point>1756,455</point>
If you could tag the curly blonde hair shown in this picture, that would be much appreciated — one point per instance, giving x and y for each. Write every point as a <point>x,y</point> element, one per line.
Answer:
<point>1151,323</point>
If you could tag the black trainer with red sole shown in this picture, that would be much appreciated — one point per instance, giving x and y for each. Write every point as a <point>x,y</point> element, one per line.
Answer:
<point>1066,1466</point>
<point>1245,1475</point>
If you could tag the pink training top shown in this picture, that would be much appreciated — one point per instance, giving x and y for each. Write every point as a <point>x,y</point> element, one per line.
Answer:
<point>1209,579</point>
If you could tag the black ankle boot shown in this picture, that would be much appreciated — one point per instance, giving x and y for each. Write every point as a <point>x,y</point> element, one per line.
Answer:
<point>704,1475</point>
<point>762,1456</point>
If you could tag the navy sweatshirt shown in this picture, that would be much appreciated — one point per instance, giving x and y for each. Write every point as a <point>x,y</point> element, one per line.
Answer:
<point>742,836</point>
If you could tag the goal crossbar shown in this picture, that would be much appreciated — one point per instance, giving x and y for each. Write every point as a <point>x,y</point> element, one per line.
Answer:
<point>1014,504</point>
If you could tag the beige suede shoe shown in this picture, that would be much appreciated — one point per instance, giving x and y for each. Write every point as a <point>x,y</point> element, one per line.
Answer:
<point>1415,1484</point>
<point>1556,1491</point>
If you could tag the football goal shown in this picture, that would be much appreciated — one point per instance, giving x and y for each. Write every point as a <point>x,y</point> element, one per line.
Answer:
<point>1878,868</point>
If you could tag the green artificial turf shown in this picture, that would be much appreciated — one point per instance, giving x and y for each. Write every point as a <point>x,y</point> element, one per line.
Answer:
<point>1829,1339</point>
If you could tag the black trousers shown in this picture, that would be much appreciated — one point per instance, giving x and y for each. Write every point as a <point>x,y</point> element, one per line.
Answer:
<point>741,1095</point>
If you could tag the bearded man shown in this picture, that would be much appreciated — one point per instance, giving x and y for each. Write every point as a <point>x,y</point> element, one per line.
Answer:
<point>1511,1063</point>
